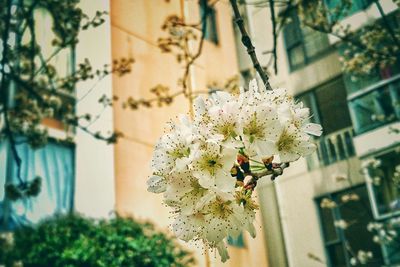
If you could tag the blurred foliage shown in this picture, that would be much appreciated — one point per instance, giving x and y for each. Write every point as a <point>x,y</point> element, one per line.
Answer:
<point>23,190</point>
<point>374,47</point>
<point>369,49</point>
<point>72,240</point>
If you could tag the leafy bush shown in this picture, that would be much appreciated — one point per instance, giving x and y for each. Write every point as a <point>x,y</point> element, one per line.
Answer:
<point>72,240</point>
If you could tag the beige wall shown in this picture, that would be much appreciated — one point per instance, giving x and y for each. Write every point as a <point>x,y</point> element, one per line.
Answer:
<point>94,166</point>
<point>135,29</point>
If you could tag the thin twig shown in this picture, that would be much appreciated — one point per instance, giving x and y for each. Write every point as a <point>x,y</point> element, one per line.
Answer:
<point>200,48</point>
<point>248,44</point>
<point>274,34</point>
<point>275,171</point>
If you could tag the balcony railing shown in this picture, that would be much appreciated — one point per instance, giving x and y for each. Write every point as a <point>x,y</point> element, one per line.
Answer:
<point>332,148</point>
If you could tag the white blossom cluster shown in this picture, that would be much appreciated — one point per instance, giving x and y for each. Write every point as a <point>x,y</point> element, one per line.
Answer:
<point>383,233</point>
<point>192,163</point>
<point>362,257</point>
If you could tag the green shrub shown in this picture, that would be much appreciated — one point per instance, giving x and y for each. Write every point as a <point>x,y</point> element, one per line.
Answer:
<point>66,241</point>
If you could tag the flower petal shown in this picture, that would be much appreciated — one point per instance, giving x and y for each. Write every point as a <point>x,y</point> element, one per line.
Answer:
<point>156,184</point>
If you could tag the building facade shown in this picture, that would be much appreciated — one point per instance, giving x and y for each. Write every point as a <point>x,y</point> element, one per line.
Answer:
<point>360,118</point>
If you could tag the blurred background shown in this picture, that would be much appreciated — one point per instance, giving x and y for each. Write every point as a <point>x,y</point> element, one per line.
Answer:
<point>87,87</point>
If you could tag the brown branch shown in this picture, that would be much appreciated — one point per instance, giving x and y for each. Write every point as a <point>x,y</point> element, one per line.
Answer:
<point>275,171</point>
<point>248,44</point>
<point>200,48</point>
<point>274,34</point>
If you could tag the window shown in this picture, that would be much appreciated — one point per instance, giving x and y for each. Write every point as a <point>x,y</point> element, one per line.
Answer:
<point>328,106</point>
<point>384,184</point>
<point>302,43</point>
<point>344,227</point>
<point>211,32</point>
<point>355,84</point>
<point>246,76</point>
<point>383,177</point>
<point>332,106</point>
<point>356,5</point>
<point>391,250</point>
<point>54,163</point>
<point>236,242</point>
<point>375,106</point>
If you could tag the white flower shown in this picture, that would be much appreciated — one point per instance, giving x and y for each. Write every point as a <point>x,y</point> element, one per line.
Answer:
<point>312,129</point>
<point>350,197</point>
<point>223,125</point>
<point>185,193</point>
<point>156,184</point>
<point>251,97</point>
<point>222,218</point>
<point>341,224</point>
<point>243,198</point>
<point>374,226</point>
<point>172,152</point>
<point>261,128</point>
<point>211,166</point>
<point>186,227</point>
<point>292,144</point>
<point>222,251</point>
<point>327,203</point>
<point>364,256</point>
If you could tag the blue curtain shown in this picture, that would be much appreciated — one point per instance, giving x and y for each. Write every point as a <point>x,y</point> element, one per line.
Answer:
<point>54,163</point>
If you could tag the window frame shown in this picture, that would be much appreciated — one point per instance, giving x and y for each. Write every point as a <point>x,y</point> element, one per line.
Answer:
<point>337,216</point>
<point>386,84</point>
<point>374,204</point>
<point>307,59</point>
<point>9,161</point>
<point>361,5</point>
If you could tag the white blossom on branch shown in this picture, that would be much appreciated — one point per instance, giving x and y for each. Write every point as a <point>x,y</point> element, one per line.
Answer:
<point>200,165</point>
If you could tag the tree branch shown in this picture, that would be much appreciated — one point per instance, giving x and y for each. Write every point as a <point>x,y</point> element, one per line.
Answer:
<point>275,171</point>
<point>200,48</point>
<point>248,44</point>
<point>274,34</point>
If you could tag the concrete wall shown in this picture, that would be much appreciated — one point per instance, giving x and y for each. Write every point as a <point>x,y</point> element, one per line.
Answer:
<point>94,190</point>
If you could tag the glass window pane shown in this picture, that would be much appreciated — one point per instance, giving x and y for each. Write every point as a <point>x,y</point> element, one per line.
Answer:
<point>54,163</point>
<point>314,42</point>
<point>386,185</point>
<point>391,249</point>
<point>373,109</point>
<point>356,5</point>
<point>236,242</point>
<point>292,32</point>
<point>328,226</point>
<point>332,104</point>
<point>358,214</point>
<point>296,56</point>
<point>211,33</point>
<point>336,255</point>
